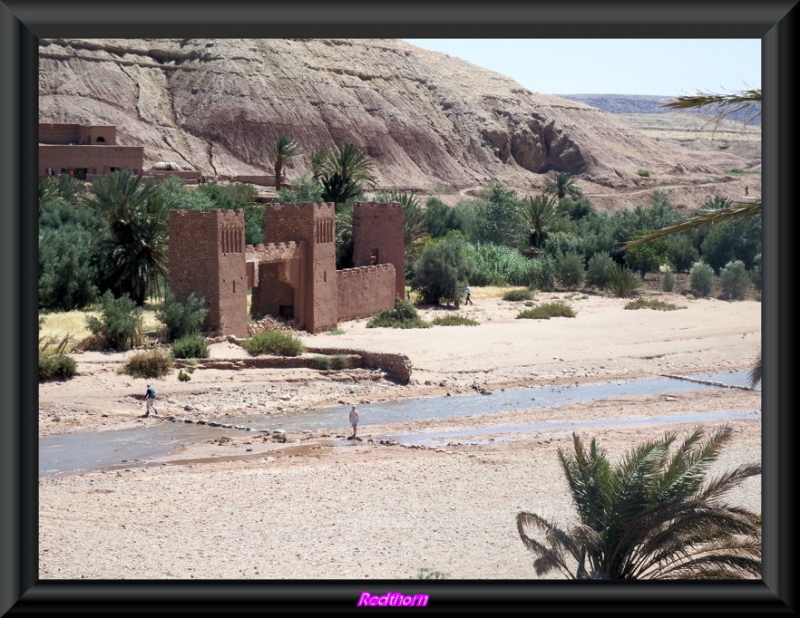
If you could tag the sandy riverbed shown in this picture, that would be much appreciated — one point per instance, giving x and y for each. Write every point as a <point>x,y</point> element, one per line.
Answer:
<point>244,507</point>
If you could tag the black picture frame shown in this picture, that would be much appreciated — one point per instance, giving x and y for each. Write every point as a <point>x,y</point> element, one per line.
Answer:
<point>23,22</point>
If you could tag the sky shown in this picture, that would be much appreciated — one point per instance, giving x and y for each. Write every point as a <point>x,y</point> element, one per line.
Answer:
<point>666,67</point>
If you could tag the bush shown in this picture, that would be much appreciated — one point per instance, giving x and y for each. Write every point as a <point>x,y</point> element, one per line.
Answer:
<point>701,278</point>
<point>668,281</point>
<point>517,295</point>
<point>120,324</point>
<point>643,173</point>
<point>190,346</point>
<point>323,363</point>
<point>182,317</point>
<point>404,315</point>
<point>273,342</point>
<point>547,311</point>
<point>734,279</point>
<point>569,270</point>
<point>339,361</point>
<point>658,305</point>
<point>184,377</point>
<point>623,282</point>
<point>56,366</point>
<point>440,273</point>
<point>453,320</point>
<point>755,273</point>
<point>598,269</point>
<point>152,364</point>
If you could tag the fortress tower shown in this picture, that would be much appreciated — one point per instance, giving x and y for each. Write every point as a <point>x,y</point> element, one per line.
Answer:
<point>378,238</point>
<point>309,295</point>
<point>207,257</point>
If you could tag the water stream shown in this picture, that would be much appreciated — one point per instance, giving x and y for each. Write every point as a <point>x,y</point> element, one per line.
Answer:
<point>78,452</point>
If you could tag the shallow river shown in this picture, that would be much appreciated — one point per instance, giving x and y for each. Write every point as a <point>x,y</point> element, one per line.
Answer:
<point>78,452</point>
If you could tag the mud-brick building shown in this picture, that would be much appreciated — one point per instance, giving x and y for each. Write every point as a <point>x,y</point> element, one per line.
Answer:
<point>293,273</point>
<point>84,151</point>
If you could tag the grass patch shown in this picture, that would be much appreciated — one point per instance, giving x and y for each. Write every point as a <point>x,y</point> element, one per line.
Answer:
<point>336,331</point>
<point>273,342</point>
<point>152,364</point>
<point>323,363</point>
<point>643,173</point>
<point>518,294</point>
<point>547,311</point>
<point>190,346</point>
<point>339,361</point>
<point>453,320</point>
<point>658,305</point>
<point>404,315</point>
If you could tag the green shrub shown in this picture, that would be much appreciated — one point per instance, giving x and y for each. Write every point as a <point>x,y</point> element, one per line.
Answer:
<point>755,273</point>
<point>323,363</point>
<point>440,272</point>
<point>658,305</point>
<point>339,361</point>
<point>623,282</point>
<point>182,317</point>
<point>668,281</point>
<point>56,366</point>
<point>569,270</point>
<point>546,311</point>
<point>152,364</point>
<point>643,173</point>
<point>404,315</point>
<point>598,269</point>
<point>184,377</point>
<point>517,294</point>
<point>453,320</point>
<point>701,278</point>
<point>273,342</point>
<point>190,346</point>
<point>734,279</point>
<point>120,322</point>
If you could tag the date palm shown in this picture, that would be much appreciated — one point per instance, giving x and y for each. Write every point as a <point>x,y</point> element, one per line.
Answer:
<point>652,516</point>
<point>136,237</point>
<point>722,106</point>
<point>542,216</point>
<point>562,184</point>
<point>343,172</point>
<point>280,151</point>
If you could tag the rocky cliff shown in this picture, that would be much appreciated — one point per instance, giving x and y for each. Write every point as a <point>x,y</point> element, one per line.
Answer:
<point>426,119</point>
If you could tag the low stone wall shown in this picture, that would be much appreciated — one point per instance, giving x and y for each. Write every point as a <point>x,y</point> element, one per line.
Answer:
<point>396,366</point>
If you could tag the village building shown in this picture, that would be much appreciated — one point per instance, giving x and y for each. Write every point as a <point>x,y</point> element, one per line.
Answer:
<point>83,151</point>
<point>293,273</point>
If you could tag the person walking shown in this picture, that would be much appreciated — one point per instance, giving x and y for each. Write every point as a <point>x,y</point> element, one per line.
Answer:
<point>354,421</point>
<point>150,400</point>
<point>469,293</point>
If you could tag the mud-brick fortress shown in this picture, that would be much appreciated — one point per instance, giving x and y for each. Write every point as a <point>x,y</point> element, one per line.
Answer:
<point>293,273</point>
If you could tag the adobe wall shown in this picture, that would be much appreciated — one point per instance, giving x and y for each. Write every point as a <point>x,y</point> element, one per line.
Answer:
<point>96,159</point>
<point>365,291</point>
<point>78,134</point>
<point>378,229</point>
<point>207,257</point>
<point>272,294</point>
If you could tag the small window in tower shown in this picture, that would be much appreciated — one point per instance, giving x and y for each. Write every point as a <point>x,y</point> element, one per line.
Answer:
<point>373,257</point>
<point>234,286</point>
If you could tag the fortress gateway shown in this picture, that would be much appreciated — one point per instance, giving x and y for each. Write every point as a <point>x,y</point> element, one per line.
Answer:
<point>293,274</point>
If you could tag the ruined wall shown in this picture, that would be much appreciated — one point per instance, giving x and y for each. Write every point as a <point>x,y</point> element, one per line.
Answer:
<point>365,291</point>
<point>272,296</point>
<point>206,256</point>
<point>57,133</point>
<point>378,238</point>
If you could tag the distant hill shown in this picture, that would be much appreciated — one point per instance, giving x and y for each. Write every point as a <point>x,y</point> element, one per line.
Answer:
<point>649,104</point>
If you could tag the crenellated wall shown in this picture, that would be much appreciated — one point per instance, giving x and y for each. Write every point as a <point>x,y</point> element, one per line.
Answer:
<point>365,291</point>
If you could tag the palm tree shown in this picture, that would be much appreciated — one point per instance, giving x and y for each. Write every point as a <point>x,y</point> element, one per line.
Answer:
<point>722,105</point>
<point>280,151</point>
<point>562,184</point>
<point>342,172</point>
<point>652,516</point>
<point>542,216</point>
<point>136,237</point>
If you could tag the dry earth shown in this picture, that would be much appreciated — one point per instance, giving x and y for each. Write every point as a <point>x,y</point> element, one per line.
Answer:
<point>317,506</point>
